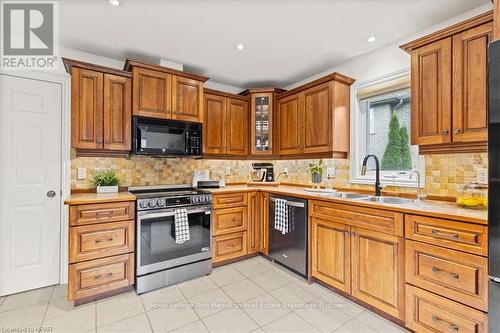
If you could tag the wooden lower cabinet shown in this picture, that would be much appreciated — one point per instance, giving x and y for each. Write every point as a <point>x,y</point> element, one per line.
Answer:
<point>229,246</point>
<point>264,234</point>
<point>101,249</point>
<point>378,270</point>
<point>90,278</point>
<point>254,221</point>
<point>428,312</point>
<point>456,275</point>
<point>330,253</point>
<point>228,220</point>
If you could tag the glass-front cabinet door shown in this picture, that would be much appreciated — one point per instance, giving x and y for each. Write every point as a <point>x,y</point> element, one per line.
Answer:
<point>262,124</point>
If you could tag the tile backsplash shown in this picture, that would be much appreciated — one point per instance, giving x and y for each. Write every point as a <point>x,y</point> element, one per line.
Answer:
<point>443,173</point>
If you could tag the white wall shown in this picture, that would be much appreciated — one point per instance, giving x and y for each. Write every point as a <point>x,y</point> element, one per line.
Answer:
<point>116,63</point>
<point>390,58</point>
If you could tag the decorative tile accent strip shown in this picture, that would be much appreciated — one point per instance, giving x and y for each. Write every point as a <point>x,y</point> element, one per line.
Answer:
<point>443,173</point>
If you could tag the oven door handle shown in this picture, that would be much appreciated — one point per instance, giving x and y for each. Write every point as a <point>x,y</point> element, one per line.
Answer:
<point>151,215</point>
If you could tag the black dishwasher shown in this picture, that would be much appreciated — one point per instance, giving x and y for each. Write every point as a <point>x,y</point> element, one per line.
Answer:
<point>290,249</point>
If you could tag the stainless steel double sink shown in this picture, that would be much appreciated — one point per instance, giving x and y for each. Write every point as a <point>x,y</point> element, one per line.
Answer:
<point>371,198</point>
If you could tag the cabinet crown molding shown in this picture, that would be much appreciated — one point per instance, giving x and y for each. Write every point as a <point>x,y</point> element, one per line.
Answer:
<point>448,31</point>
<point>224,94</point>
<point>70,63</point>
<point>130,63</point>
<point>330,77</point>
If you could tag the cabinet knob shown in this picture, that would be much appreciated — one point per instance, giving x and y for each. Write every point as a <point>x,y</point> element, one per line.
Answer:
<point>446,132</point>
<point>456,130</point>
<point>99,140</point>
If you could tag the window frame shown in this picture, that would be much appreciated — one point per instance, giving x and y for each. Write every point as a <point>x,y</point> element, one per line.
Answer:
<point>359,142</point>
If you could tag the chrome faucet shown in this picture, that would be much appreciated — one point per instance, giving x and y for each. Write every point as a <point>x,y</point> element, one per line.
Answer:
<point>421,193</point>
<point>377,172</point>
<point>418,179</point>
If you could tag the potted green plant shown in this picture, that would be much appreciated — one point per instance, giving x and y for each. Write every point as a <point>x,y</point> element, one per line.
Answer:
<point>316,170</point>
<point>105,180</point>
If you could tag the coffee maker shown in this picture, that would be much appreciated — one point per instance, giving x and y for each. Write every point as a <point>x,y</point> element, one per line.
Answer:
<point>263,172</point>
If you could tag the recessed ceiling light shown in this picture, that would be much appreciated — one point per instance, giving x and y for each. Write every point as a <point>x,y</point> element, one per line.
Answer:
<point>371,39</point>
<point>240,47</point>
<point>115,3</point>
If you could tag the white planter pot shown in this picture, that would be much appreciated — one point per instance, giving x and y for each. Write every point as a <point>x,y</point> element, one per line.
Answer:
<point>107,189</point>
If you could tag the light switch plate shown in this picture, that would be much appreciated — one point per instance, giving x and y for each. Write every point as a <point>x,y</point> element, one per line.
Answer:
<point>482,176</point>
<point>81,174</point>
<point>228,171</point>
<point>330,172</point>
<point>285,170</point>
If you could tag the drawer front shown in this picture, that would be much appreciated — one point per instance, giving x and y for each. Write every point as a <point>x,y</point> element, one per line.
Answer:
<point>94,277</point>
<point>229,220</point>
<point>367,218</point>
<point>101,240</point>
<point>99,213</point>
<point>229,200</point>
<point>456,275</point>
<point>229,246</point>
<point>427,312</point>
<point>467,237</point>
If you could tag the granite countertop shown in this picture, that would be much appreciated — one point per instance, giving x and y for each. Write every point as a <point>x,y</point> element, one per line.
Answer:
<point>90,198</point>
<point>441,209</point>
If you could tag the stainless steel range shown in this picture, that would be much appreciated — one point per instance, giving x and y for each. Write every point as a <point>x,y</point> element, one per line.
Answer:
<point>160,260</point>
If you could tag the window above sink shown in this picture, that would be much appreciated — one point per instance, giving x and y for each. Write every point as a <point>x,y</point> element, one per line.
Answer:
<point>381,125</point>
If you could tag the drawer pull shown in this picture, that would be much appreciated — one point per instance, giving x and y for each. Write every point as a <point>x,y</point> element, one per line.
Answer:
<point>453,275</point>
<point>451,327</point>
<point>100,276</point>
<point>443,234</point>
<point>104,213</point>
<point>97,241</point>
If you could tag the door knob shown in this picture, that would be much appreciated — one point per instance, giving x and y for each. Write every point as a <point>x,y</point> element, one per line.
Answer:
<point>51,194</point>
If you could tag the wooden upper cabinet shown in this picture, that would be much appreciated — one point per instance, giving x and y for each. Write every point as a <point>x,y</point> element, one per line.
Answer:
<point>290,124</point>
<point>152,93</point>
<point>318,136</point>
<point>225,125</point>
<point>117,112</point>
<point>237,127</point>
<point>470,84</point>
<point>214,124</point>
<point>496,22</point>
<point>166,93</point>
<point>313,119</point>
<point>187,99</point>
<point>101,106</point>
<point>431,93</point>
<point>87,108</point>
<point>449,87</point>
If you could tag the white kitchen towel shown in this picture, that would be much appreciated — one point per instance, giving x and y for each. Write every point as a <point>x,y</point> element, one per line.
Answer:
<point>181,226</point>
<point>281,220</point>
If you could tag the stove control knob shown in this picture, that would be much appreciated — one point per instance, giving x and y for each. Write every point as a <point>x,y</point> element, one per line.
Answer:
<point>207,198</point>
<point>152,203</point>
<point>143,204</point>
<point>160,203</point>
<point>194,199</point>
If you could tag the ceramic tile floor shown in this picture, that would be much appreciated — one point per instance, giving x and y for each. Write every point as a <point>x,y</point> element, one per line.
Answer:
<point>254,295</point>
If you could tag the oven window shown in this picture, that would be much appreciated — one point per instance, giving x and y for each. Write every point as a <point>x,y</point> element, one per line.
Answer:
<point>157,240</point>
<point>171,139</point>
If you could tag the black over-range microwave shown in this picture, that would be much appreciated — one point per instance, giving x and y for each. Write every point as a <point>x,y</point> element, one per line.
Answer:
<point>166,137</point>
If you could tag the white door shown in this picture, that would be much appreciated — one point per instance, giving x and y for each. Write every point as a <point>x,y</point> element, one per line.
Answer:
<point>30,168</point>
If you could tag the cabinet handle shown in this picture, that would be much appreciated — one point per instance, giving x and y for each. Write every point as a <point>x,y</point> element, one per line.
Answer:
<point>451,326</point>
<point>453,275</point>
<point>456,130</point>
<point>353,233</point>
<point>97,241</point>
<point>347,233</point>
<point>445,132</point>
<point>98,276</point>
<point>443,234</point>
<point>99,140</point>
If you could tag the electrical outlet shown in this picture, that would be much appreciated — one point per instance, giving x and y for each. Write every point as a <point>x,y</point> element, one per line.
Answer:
<point>285,170</point>
<point>228,171</point>
<point>330,172</point>
<point>81,174</point>
<point>482,176</point>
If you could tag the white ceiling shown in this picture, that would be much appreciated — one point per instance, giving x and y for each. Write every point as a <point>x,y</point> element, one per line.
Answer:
<point>286,41</point>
